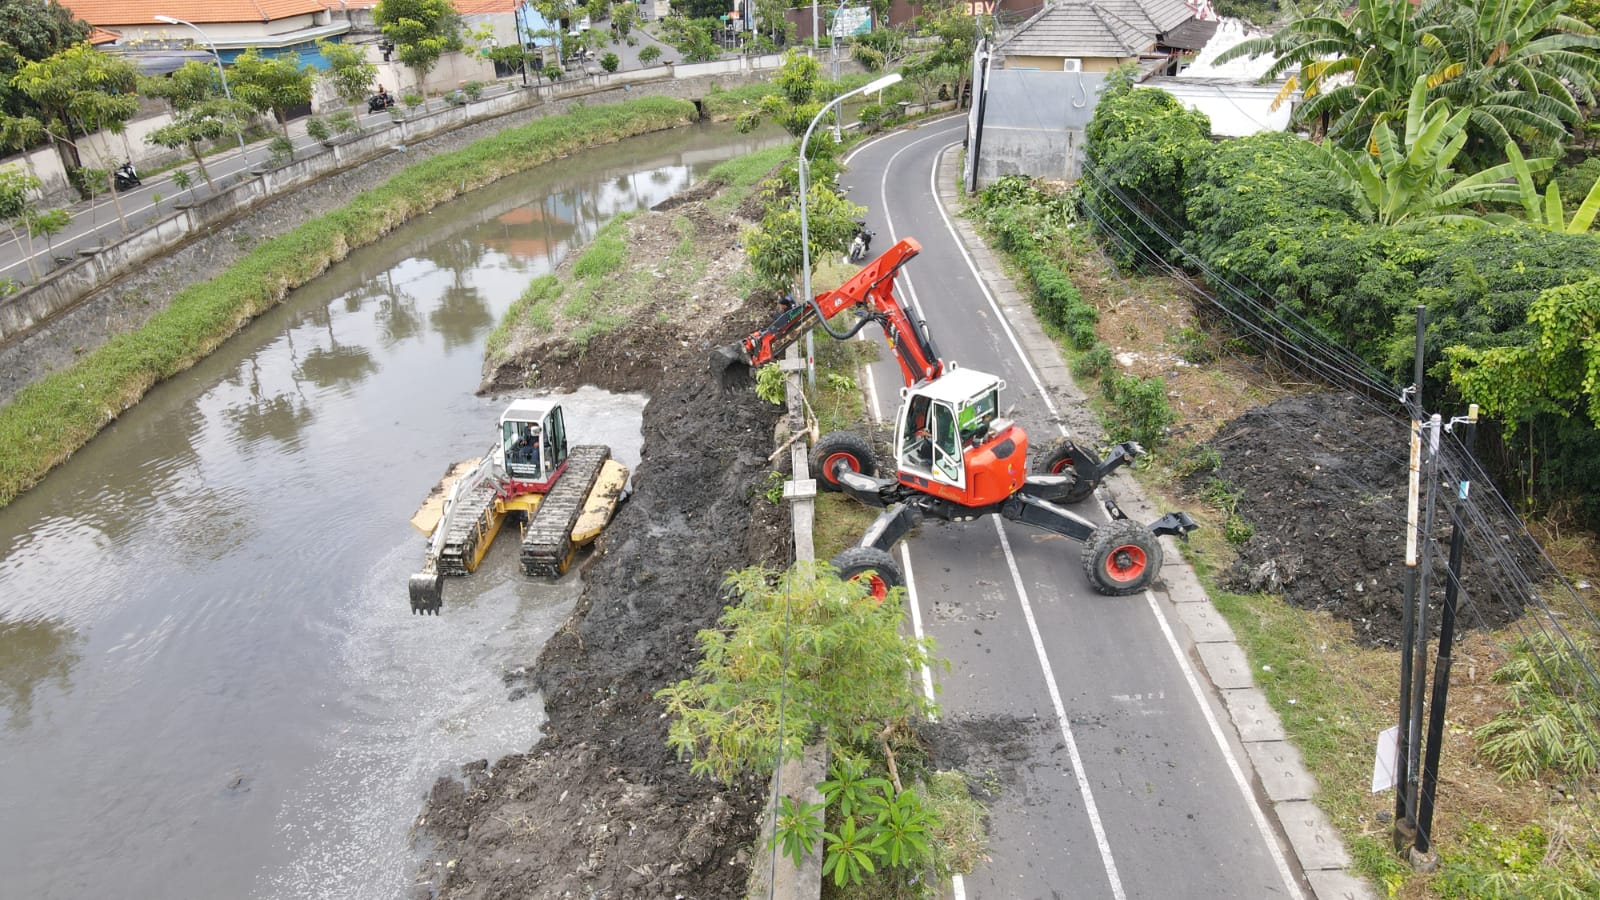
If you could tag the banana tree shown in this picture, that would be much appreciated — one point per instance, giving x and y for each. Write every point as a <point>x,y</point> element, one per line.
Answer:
<point>1409,182</point>
<point>1547,212</point>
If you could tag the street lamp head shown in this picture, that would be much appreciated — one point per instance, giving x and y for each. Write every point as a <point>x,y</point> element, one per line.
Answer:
<point>166,19</point>
<point>892,78</point>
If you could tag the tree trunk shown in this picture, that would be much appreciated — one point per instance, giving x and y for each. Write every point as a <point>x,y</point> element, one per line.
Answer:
<point>194,151</point>
<point>33,270</point>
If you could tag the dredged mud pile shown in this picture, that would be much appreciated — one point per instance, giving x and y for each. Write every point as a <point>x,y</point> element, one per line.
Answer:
<point>1322,479</point>
<point>600,808</point>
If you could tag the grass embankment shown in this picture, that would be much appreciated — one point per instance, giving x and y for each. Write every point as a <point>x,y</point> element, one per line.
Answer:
<point>52,418</point>
<point>1496,835</point>
<point>605,287</point>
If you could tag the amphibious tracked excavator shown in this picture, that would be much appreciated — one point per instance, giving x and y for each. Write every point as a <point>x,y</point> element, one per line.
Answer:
<point>956,456</point>
<point>562,496</point>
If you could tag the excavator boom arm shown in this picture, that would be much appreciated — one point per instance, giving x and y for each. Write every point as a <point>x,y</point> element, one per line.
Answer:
<point>872,289</point>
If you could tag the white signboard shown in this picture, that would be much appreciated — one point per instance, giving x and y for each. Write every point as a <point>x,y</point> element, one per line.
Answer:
<point>1383,764</point>
<point>851,20</point>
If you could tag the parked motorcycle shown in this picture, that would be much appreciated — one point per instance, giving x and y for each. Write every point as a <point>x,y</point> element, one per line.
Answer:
<point>379,102</point>
<point>861,243</point>
<point>126,177</point>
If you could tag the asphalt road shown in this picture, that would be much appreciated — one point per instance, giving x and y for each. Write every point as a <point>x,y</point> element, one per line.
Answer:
<point>96,224</point>
<point>1118,783</point>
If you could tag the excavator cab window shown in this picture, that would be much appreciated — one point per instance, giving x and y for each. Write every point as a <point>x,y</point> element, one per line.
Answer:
<point>976,414</point>
<point>524,451</point>
<point>947,458</point>
<point>555,433</point>
<point>916,441</point>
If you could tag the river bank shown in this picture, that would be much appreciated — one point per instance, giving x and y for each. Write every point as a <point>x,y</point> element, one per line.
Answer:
<point>108,381</point>
<point>600,807</point>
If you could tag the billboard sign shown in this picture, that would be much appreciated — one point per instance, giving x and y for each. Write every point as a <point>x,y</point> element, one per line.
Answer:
<point>851,20</point>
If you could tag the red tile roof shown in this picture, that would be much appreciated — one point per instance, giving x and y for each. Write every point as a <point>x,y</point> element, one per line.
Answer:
<point>102,36</point>
<point>109,13</point>
<point>485,7</point>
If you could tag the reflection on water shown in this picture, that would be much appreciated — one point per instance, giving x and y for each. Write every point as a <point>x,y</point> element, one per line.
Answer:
<point>32,654</point>
<point>212,683</point>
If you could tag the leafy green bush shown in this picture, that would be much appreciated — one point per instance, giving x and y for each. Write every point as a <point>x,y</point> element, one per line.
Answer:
<point>473,89</point>
<point>1554,712</point>
<point>870,58</point>
<point>610,62</point>
<point>343,121</point>
<point>649,54</point>
<point>1142,146</point>
<point>317,129</point>
<point>771,384</point>
<point>1136,409</point>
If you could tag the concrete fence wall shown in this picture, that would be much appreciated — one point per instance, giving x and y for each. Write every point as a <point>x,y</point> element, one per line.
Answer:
<point>28,309</point>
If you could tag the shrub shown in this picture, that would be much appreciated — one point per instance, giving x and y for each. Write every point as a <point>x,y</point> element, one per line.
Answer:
<point>1141,145</point>
<point>279,151</point>
<point>552,72</point>
<point>473,89</point>
<point>412,101</point>
<point>649,54</point>
<point>317,129</point>
<point>1136,409</point>
<point>343,121</point>
<point>609,62</point>
<point>871,58</point>
<point>871,116</point>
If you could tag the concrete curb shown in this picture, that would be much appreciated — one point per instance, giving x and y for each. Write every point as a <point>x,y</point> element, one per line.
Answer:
<point>1282,785</point>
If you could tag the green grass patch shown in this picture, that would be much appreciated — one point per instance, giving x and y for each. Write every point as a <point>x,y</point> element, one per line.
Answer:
<point>742,174</point>
<point>531,310</point>
<point>607,252</point>
<point>51,419</point>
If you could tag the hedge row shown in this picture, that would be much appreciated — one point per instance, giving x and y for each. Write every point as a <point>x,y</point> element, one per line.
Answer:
<point>1261,214</point>
<point>49,420</point>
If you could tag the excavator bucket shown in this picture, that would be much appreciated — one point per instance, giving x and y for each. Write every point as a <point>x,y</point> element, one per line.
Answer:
<point>730,368</point>
<point>427,592</point>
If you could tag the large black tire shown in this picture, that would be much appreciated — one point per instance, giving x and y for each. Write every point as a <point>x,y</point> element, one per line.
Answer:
<point>840,449</point>
<point>1063,457</point>
<point>1122,558</point>
<point>871,565</point>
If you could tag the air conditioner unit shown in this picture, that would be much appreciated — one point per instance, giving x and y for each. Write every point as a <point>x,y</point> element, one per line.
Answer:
<point>1072,65</point>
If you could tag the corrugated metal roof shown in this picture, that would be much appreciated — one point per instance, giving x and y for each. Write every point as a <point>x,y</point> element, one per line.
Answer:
<point>1098,28</point>
<point>111,13</point>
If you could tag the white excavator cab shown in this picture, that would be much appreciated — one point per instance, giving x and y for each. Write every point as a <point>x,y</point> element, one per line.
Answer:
<point>533,440</point>
<point>940,419</point>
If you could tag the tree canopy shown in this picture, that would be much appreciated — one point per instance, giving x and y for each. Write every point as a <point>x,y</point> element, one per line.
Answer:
<point>272,84</point>
<point>422,31</point>
<point>1521,69</point>
<point>31,31</point>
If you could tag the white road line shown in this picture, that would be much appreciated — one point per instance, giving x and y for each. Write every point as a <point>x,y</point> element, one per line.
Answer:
<point>916,616</point>
<point>1222,741</point>
<point>1089,806</point>
<point>1022,355</point>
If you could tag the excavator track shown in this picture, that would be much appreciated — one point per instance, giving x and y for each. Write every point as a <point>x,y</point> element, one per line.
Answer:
<point>474,524</point>
<point>547,540</point>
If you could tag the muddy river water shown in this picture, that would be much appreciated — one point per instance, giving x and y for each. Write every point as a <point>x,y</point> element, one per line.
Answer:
<point>210,681</point>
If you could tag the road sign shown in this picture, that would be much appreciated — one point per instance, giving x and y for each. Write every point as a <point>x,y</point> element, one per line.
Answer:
<point>851,20</point>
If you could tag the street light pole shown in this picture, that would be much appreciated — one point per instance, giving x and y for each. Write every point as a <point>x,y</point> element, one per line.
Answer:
<point>172,20</point>
<point>805,231</point>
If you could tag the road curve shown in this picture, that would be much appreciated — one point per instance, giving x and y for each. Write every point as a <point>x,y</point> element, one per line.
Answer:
<point>1116,778</point>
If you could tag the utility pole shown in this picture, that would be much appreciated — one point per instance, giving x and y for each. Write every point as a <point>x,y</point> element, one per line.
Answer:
<point>1422,856</point>
<point>1405,827</point>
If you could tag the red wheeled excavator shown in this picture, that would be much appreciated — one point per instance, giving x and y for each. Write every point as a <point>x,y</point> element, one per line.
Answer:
<point>956,456</point>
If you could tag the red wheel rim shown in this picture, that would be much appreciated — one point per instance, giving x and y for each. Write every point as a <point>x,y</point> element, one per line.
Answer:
<point>1126,563</point>
<point>1062,466</point>
<point>830,466</point>
<point>877,588</point>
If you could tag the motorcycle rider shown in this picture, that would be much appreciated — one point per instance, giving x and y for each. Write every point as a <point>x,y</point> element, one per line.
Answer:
<point>126,176</point>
